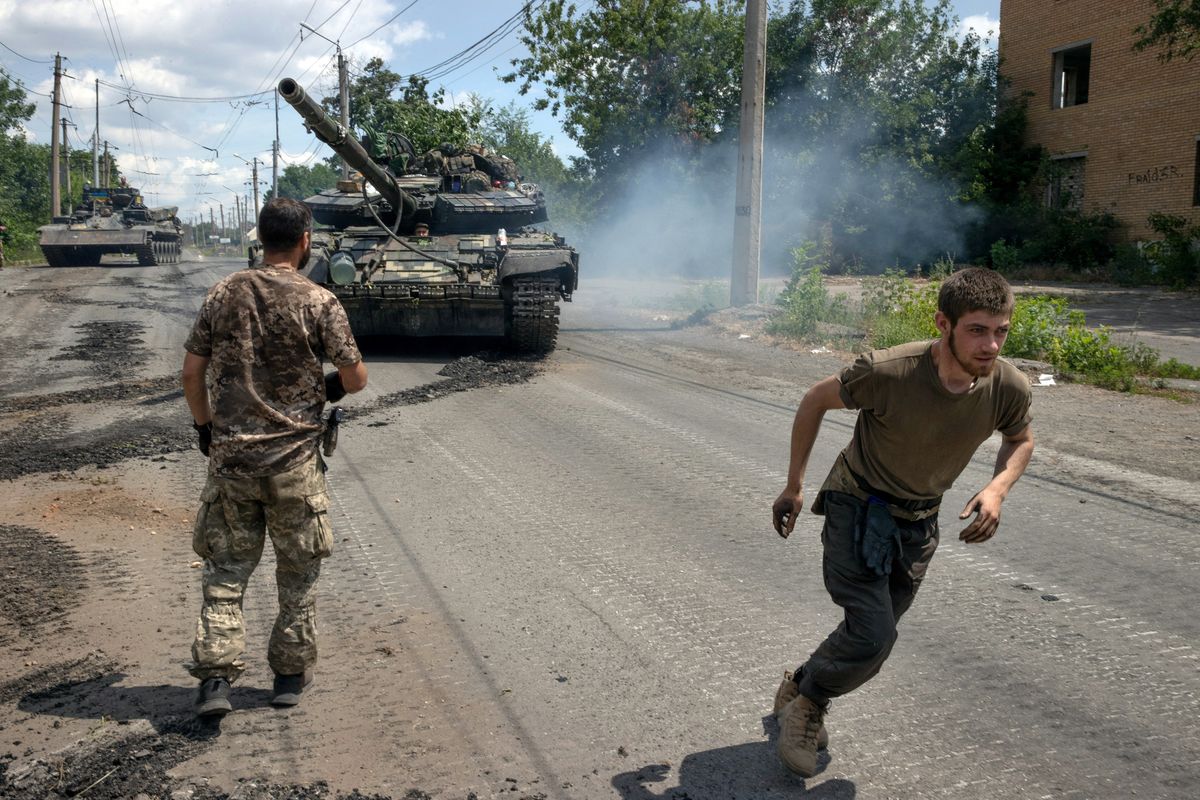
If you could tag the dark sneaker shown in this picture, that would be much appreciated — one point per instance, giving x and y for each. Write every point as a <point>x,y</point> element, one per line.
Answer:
<point>288,688</point>
<point>213,700</point>
<point>786,693</point>
<point>800,723</point>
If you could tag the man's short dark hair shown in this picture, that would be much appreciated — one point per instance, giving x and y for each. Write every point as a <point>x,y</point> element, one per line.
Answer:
<point>974,289</point>
<point>281,224</point>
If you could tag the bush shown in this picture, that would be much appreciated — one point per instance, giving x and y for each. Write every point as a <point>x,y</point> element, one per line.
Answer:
<point>1130,267</point>
<point>1005,259</point>
<point>806,302</point>
<point>899,311</point>
<point>1175,256</point>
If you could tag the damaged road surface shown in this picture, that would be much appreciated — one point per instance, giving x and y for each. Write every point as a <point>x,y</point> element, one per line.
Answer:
<point>558,580</point>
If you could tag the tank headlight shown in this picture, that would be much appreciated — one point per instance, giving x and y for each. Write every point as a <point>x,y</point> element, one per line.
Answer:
<point>341,268</point>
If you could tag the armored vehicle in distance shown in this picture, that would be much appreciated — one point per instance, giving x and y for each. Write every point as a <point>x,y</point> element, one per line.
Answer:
<point>437,246</point>
<point>112,221</point>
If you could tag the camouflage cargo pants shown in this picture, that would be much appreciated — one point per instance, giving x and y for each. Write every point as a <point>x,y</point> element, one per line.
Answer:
<point>235,516</point>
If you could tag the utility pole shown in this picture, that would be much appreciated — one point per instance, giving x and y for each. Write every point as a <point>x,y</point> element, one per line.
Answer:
<point>96,141</point>
<point>747,220</point>
<point>255,179</point>
<point>343,89</point>
<point>344,98</point>
<point>212,226</point>
<point>107,164</point>
<point>67,157</point>
<point>55,177</point>
<point>221,235</point>
<point>275,153</point>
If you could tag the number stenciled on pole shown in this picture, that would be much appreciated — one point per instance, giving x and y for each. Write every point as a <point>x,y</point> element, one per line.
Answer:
<point>742,211</point>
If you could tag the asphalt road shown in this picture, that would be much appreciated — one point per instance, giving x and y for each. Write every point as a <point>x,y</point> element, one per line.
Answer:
<point>580,590</point>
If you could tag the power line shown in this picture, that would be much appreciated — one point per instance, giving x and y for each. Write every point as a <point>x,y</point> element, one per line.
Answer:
<point>19,55</point>
<point>480,47</point>
<point>184,98</point>
<point>395,17</point>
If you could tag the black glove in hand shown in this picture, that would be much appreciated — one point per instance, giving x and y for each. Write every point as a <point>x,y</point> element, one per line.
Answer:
<point>334,390</point>
<point>204,435</point>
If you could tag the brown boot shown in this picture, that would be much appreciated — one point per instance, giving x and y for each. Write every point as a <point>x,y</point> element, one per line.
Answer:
<point>800,724</point>
<point>786,693</point>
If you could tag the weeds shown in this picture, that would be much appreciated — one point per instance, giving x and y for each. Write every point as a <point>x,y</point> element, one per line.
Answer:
<point>895,310</point>
<point>806,302</point>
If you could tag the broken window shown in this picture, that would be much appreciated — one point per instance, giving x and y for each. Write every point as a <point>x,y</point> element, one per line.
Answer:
<point>1064,187</point>
<point>1072,71</point>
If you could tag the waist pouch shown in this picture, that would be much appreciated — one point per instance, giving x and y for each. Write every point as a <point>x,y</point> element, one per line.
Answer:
<point>876,536</point>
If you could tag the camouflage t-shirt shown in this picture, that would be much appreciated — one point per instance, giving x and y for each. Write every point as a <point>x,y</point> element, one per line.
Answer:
<point>266,331</point>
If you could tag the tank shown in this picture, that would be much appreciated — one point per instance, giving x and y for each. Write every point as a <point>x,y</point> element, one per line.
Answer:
<point>112,221</point>
<point>441,245</point>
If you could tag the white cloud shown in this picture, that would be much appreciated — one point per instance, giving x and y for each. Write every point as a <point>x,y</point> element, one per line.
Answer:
<point>982,24</point>
<point>219,49</point>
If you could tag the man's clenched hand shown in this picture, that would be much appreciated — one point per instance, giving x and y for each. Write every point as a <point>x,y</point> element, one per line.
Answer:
<point>204,436</point>
<point>786,509</point>
<point>334,390</point>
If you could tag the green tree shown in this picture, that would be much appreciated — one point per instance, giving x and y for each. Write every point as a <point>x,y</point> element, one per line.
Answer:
<point>1174,29</point>
<point>508,131</point>
<point>631,76</point>
<point>298,181</point>
<point>879,104</point>
<point>24,190</point>
<point>381,101</point>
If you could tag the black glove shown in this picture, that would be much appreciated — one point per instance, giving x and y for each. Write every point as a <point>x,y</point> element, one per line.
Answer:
<point>204,434</point>
<point>334,390</point>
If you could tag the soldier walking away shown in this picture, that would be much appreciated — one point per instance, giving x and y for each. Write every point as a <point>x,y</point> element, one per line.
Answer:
<point>259,339</point>
<point>923,409</point>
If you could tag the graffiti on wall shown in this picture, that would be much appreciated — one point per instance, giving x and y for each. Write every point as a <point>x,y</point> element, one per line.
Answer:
<point>1159,174</point>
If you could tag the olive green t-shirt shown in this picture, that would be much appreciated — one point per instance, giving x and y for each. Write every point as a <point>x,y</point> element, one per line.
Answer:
<point>914,437</point>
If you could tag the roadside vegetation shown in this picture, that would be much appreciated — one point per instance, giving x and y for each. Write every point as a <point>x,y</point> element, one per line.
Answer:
<point>895,309</point>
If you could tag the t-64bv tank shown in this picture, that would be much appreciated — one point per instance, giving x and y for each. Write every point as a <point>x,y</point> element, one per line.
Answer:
<point>112,221</point>
<point>443,245</point>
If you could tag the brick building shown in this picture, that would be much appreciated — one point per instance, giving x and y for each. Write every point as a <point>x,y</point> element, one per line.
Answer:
<point>1122,126</point>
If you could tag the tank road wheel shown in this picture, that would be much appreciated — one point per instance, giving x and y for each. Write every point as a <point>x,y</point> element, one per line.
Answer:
<point>534,328</point>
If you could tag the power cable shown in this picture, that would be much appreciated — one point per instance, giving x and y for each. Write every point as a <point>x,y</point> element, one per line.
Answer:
<point>20,55</point>
<point>184,98</point>
<point>395,17</point>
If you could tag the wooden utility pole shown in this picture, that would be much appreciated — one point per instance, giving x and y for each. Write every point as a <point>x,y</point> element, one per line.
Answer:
<point>55,174</point>
<point>747,220</point>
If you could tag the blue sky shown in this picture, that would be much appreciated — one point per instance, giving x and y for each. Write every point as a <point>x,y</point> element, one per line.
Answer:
<point>193,154</point>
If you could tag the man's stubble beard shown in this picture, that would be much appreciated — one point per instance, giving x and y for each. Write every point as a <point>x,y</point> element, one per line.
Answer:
<point>968,365</point>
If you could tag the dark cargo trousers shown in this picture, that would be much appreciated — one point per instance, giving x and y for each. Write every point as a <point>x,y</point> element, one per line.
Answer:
<point>235,517</point>
<point>873,604</point>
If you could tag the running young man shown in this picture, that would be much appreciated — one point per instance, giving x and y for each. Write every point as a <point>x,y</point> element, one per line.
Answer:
<point>924,408</point>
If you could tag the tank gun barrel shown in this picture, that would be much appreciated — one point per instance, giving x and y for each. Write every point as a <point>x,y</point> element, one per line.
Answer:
<point>342,142</point>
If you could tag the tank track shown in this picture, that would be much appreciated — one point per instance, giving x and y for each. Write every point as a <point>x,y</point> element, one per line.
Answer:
<point>534,316</point>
